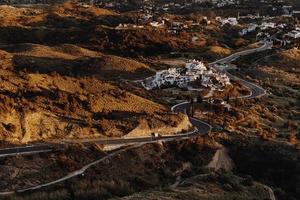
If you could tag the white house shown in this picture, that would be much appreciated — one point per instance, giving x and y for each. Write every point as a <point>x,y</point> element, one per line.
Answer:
<point>157,24</point>
<point>266,25</point>
<point>294,34</point>
<point>181,77</point>
<point>231,21</point>
<point>251,28</point>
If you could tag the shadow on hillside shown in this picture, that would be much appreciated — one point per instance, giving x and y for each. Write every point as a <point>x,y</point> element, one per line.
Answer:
<point>84,66</point>
<point>57,29</point>
<point>116,115</point>
<point>17,48</point>
<point>43,35</point>
<point>53,20</point>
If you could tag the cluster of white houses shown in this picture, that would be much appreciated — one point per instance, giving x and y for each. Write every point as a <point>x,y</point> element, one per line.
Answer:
<point>218,3</point>
<point>181,77</point>
<point>263,26</point>
<point>294,33</point>
<point>252,27</point>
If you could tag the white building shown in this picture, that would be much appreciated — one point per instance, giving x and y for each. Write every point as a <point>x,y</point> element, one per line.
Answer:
<point>266,25</point>
<point>157,24</point>
<point>294,34</point>
<point>251,28</point>
<point>181,77</point>
<point>128,26</point>
<point>231,21</point>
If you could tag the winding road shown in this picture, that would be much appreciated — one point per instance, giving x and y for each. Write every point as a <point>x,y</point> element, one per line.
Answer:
<point>200,127</point>
<point>255,90</point>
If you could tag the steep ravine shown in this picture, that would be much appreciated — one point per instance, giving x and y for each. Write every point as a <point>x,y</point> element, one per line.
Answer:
<point>275,164</point>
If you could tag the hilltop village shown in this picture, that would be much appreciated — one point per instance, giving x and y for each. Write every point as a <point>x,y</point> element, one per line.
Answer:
<point>181,77</point>
<point>149,99</point>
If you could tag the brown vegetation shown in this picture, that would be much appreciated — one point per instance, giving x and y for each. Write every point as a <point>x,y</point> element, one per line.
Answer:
<point>146,167</point>
<point>60,92</point>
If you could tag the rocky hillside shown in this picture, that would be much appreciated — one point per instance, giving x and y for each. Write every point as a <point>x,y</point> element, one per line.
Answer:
<point>61,92</point>
<point>173,170</point>
<point>210,187</point>
<point>55,88</point>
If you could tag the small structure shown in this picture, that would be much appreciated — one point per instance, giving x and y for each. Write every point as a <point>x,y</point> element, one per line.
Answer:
<point>231,21</point>
<point>251,28</point>
<point>157,24</point>
<point>267,25</point>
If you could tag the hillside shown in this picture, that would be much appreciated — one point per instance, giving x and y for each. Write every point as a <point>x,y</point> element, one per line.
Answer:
<point>208,187</point>
<point>22,17</point>
<point>78,120</point>
<point>67,59</point>
<point>60,92</point>
<point>290,57</point>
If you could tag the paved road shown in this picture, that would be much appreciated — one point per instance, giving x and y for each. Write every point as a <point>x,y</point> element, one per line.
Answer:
<point>201,128</point>
<point>266,45</point>
<point>25,150</point>
<point>255,90</point>
<point>40,148</point>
